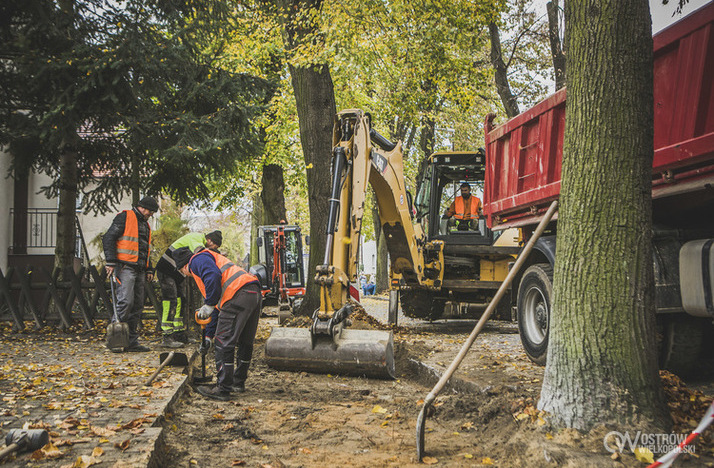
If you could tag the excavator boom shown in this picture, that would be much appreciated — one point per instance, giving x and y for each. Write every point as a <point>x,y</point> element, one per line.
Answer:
<point>360,157</point>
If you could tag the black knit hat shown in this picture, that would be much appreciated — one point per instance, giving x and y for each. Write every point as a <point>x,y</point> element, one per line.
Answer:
<point>216,237</point>
<point>181,257</point>
<point>149,203</point>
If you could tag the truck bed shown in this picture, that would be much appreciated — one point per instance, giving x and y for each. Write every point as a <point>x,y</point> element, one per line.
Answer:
<point>523,156</point>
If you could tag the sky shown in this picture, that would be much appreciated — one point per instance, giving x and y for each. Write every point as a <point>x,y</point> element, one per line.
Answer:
<point>662,14</point>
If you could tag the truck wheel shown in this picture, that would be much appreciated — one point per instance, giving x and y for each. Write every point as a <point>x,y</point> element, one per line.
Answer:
<point>393,311</point>
<point>682,341</point>
<point>418,303</point>
<point>534,302</point>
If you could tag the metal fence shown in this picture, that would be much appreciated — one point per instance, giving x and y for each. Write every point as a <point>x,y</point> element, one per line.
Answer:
<point>37,228</point>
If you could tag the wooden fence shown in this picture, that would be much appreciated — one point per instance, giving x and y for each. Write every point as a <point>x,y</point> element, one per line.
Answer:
<point>83,296</point>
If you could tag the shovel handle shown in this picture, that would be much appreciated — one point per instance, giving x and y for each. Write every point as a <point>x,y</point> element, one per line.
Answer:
<point>163,364</point>
<point>202,322</point>
<point>8,450</point>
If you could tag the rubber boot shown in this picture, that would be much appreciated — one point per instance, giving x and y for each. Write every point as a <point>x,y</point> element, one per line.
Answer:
<point>240,376</point>
<point>167,327</point>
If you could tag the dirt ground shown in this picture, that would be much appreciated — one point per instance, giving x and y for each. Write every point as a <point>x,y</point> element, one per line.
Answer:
<point>289,419</point>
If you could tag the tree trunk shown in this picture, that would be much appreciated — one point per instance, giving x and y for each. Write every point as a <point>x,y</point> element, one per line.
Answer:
<point>66,237</point>
<point>135,179</point>
<point>273,194</point>
<point>510,105</point>
<point>315,98</point>
<point>601,364</point>
<point>256,220</point>
<point>556,49</point>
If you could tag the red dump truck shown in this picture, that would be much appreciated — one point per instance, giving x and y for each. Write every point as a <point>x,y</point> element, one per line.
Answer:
<point>523,171</point>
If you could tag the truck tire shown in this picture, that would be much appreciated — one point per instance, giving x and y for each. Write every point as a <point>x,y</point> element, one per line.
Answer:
<point>393,311</point>
<point>535,293</point>
<point>421,304</point>
<point>682,343</point>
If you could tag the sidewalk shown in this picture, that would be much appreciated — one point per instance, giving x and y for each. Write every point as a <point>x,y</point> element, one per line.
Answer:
<point>92,402</point>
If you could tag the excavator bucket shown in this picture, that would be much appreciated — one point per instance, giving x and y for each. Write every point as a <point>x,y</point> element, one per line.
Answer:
<point>368,353</point>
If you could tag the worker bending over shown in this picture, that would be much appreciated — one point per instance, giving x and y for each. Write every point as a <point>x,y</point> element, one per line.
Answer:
<point>237,295</point>
<point>172,326</point>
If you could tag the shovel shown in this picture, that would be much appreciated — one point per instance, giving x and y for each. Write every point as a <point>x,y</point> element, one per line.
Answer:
<point>204,351</point>
<point>117,331</point>
<point>172,359</point>
<point>24,440</point>
<point>429,400</point>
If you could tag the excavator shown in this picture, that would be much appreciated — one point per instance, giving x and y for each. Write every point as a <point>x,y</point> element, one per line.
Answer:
<point>281,262</point>
<point>418,272</point>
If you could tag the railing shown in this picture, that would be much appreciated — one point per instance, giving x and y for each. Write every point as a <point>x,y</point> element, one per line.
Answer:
<point>37,228</point>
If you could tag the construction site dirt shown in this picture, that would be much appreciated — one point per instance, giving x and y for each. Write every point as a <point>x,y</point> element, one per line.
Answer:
<point>487,415</point>
<point>98,411</point>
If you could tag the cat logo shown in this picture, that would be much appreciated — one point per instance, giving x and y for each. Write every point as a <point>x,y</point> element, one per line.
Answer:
<point>379,161</point>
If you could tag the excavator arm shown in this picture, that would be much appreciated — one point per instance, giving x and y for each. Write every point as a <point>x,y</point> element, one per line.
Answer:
<point>360,157</point>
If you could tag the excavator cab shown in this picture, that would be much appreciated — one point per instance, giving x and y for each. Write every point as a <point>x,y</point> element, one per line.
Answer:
<point>439,186</point>
<point>474,263</point>
<point>283,262</point>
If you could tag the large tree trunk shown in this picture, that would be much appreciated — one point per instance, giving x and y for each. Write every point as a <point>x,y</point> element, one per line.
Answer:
<point>273,194</point>
<point>315,97</point>
<point>66,237</point>
<point>510,104</point>
<point>256,221</point>
<point>601,364</point>
<point>556,49</point>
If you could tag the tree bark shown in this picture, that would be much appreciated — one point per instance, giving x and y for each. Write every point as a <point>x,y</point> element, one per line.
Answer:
<point>256,220</point>
<point>273,194</point>
<point>510,105</point>
<point>556,49</point>
<point>66,237</point>
<point>315,98</point>
<point>601,364</point>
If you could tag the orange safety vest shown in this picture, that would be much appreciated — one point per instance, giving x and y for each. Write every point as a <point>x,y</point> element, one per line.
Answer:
<point>232,277</point>
<point>128,243</point>
<point>459,207</point>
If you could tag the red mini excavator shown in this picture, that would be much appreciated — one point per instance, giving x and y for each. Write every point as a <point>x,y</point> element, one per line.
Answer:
<point>280,254</point>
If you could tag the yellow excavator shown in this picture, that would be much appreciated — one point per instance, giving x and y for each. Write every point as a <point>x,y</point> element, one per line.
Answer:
<point>417,239</point>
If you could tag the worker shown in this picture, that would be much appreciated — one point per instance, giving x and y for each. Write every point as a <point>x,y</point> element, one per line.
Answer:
<point>465,208</point>
<point>236,293</point>
<point>172,326</point>
<point>127,245</point>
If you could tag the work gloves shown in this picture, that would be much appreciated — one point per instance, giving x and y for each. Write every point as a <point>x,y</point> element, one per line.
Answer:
<point>205,311</point>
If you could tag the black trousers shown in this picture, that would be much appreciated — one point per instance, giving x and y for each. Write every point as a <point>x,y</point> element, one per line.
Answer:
<point>237,325</point>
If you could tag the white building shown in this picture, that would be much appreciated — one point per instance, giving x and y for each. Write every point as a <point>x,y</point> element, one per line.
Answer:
<point>28,229</point>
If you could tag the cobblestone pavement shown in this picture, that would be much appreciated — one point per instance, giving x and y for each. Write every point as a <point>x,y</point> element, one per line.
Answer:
<point>92,402</point>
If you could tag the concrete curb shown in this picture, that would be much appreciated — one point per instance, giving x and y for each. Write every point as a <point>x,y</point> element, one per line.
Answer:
<point>157,442</point>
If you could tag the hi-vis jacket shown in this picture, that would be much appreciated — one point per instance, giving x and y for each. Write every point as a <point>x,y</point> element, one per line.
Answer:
<point>128,240</point>
<point>218,278</point>
<point>459,208</point>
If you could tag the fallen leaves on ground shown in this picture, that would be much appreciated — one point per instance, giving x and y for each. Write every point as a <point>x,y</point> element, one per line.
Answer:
<point>48,451</point>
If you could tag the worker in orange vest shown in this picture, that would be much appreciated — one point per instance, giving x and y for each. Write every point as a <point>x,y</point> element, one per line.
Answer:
<point>465,208</point>
<point>237,295</point>
<point>127,245</point>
